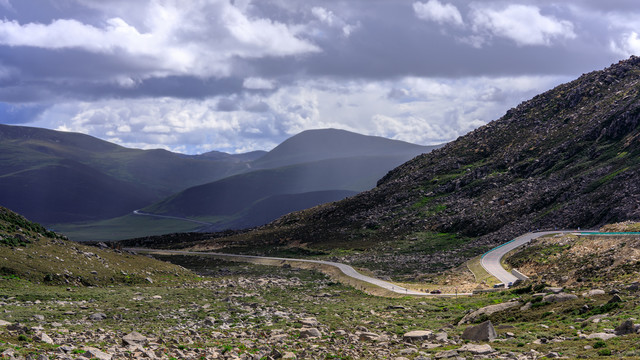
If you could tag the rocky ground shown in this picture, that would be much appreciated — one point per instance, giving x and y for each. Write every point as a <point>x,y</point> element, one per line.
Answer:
<point>240,311</point>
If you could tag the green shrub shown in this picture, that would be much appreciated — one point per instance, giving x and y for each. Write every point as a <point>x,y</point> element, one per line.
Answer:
<point>599,344</point>
<point>604,352</point>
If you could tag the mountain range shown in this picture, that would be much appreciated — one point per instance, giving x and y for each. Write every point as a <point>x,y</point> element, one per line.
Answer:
<point>65,178</point>
<point>568,158</point>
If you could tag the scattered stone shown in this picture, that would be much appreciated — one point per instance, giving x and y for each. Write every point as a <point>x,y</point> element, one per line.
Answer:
<point>554,290</point>
<point>441,337</point>
<point>601,336</point>
<point>527,306</point>
<point>209,321</point>
<point>555,298</point>
<point>626,327</point>
<point>594,292</point>
<point>134,338</point>
<point>93,353</point>
<point>97,317</point>
<point>43,338</point>
<point>615,299</point>
<point>476,349</point>
<point>309,322</point>
<point>446,354</point>
<point>481,332</point>
<point>487,310</point>
<point>38,317</point>
<point>289,355</point>
<point>309,333</point>
<point>417,335</point>
<point>368,336</point>
<point>149,280</point>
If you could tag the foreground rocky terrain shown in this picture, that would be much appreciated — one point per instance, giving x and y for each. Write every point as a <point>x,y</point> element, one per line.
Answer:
<point>252,312</point>
<point>110,304</point>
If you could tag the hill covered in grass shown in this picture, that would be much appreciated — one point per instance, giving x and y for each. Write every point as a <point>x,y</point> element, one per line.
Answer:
<point>28,251</point>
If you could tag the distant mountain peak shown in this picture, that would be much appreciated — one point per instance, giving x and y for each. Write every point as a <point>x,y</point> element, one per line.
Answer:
<point>322,144</point>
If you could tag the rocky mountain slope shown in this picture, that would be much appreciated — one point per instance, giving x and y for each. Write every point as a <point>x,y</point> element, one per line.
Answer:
<point>567,158</point>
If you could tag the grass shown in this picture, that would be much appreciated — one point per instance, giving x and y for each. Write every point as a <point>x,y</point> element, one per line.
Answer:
<point>124,227</point>
<point>481,275</point>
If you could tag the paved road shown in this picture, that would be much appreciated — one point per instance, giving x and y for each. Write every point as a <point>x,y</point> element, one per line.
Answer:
<point>346,269</point>
<point>491,259</point>
<point>138,212</point>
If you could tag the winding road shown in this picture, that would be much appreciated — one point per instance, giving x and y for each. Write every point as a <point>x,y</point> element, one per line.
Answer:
<point>346,269</point>
<point>490,261</point>
<point>138,212</point>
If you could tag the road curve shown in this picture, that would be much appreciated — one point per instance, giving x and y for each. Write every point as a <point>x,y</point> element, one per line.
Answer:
<point>346,269</point>
<point>491,259</point>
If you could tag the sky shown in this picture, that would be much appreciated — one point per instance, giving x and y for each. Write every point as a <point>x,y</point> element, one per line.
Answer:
<point>193,76</point>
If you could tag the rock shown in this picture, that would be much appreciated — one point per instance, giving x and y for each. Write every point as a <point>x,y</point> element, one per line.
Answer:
<point>626,327</point>
<point>594,292</point>
<point>555,298</point>
<point>417,335</point>
<point>634,287</point>
<point>476,349</point>
<point>97,317</point>
<point>93,353</point>
<point>19,328</point>
<point>552,355</point>
<point>615,299</point>
<point>42,337</point>
<point>309,333</point>
<point>134,338</point>
<point>446,354</point>
<point>554,290</point>
<point>149,280</point>
<point>309,322</point>
<point>487,310</point>
<point>66,348</point>
<point>527,306</point>
<point>209,321</point>
<point>4,323</point>
<point>289,355</point>
<point>38,317</point>
<point>441,337</point>
<point>481,332</point>
<point>102,245</point>
<point>601,336</point>
<point>368,336</point>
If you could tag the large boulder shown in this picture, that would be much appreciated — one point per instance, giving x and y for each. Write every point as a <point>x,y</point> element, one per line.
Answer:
<point>134,338</point>
<point>487,310</point>
<point>555,298</point>
<point>481,332</point>
<point>476,349</point>
<point>309,333</point>
<point>417,335</point>
<point>594,292</point>
<point>627,327</point>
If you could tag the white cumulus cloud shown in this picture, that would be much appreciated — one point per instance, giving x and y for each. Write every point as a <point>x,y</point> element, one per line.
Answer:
<point>524,24</point>
<point>200,39</point>
<point>436,11</point>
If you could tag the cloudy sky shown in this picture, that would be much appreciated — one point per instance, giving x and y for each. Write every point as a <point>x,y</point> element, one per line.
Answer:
<point>239,75</point>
